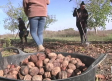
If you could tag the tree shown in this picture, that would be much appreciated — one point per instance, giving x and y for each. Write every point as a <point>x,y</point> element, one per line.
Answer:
<point>50,20</point>
<point>99,13</point>
<point>13,13</point>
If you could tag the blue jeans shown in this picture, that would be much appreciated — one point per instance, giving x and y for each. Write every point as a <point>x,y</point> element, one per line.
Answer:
<point>36,29</point>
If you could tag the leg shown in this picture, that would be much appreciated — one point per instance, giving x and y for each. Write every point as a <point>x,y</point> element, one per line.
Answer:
<point>25,39</point>
<point>41,25</point>
<point>80,32</point>
<point>85,31</point>
<point>33,29</point>
<point>25,36</point>
<point>21,37</point>
<point>81,35</point>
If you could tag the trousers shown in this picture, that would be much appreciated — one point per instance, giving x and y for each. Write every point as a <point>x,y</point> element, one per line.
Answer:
<point>82,31</point>
<point>37,25</point>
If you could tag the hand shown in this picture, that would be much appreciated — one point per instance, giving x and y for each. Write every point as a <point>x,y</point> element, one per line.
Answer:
<point>75,8</point>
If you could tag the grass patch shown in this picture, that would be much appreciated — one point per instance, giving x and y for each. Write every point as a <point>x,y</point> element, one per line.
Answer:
<point>66,35</point>
<point>61,39</point>
<point>108,38</point>
<point>7,53</point>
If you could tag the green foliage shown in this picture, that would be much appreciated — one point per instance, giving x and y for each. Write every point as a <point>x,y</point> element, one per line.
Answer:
<point>7,42</point>
<point>13,13</point>
<point>50,20</point>
<point>69,29</point>
<point>99,12</point>
<point>98,15</point>
<point>4,45</point>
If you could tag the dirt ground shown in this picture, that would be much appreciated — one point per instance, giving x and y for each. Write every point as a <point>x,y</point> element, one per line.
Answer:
<point>95,49</point>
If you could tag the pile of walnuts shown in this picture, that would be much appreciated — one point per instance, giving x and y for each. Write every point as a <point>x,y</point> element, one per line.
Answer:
<point>45,67</point>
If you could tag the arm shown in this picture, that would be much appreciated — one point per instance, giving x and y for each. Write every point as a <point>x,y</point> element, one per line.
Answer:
<point>74,13</point>
<point>25,3</point>
<point>48,2</point>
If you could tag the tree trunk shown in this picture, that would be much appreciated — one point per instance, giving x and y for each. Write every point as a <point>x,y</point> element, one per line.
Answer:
<point>95,28</point>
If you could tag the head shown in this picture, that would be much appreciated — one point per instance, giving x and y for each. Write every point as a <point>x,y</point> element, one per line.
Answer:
<point>82,5</point>
<point>19,19</point>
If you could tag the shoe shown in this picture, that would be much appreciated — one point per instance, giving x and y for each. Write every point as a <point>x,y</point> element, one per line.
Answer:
<point>41,48</point>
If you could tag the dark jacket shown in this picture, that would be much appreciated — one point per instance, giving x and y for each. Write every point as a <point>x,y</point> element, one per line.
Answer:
<point>21,25</point>
<point>81,16</point>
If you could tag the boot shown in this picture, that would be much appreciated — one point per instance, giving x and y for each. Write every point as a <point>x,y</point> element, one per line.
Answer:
<point>41,48</point>
<point>82,39</point>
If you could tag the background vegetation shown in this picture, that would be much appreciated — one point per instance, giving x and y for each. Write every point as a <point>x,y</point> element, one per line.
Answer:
<point>67,35</point>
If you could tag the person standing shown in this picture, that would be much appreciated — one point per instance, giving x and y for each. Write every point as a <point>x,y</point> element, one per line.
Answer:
<point>22,30</point>
<point>81,15</point>
<point>36,11</point>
